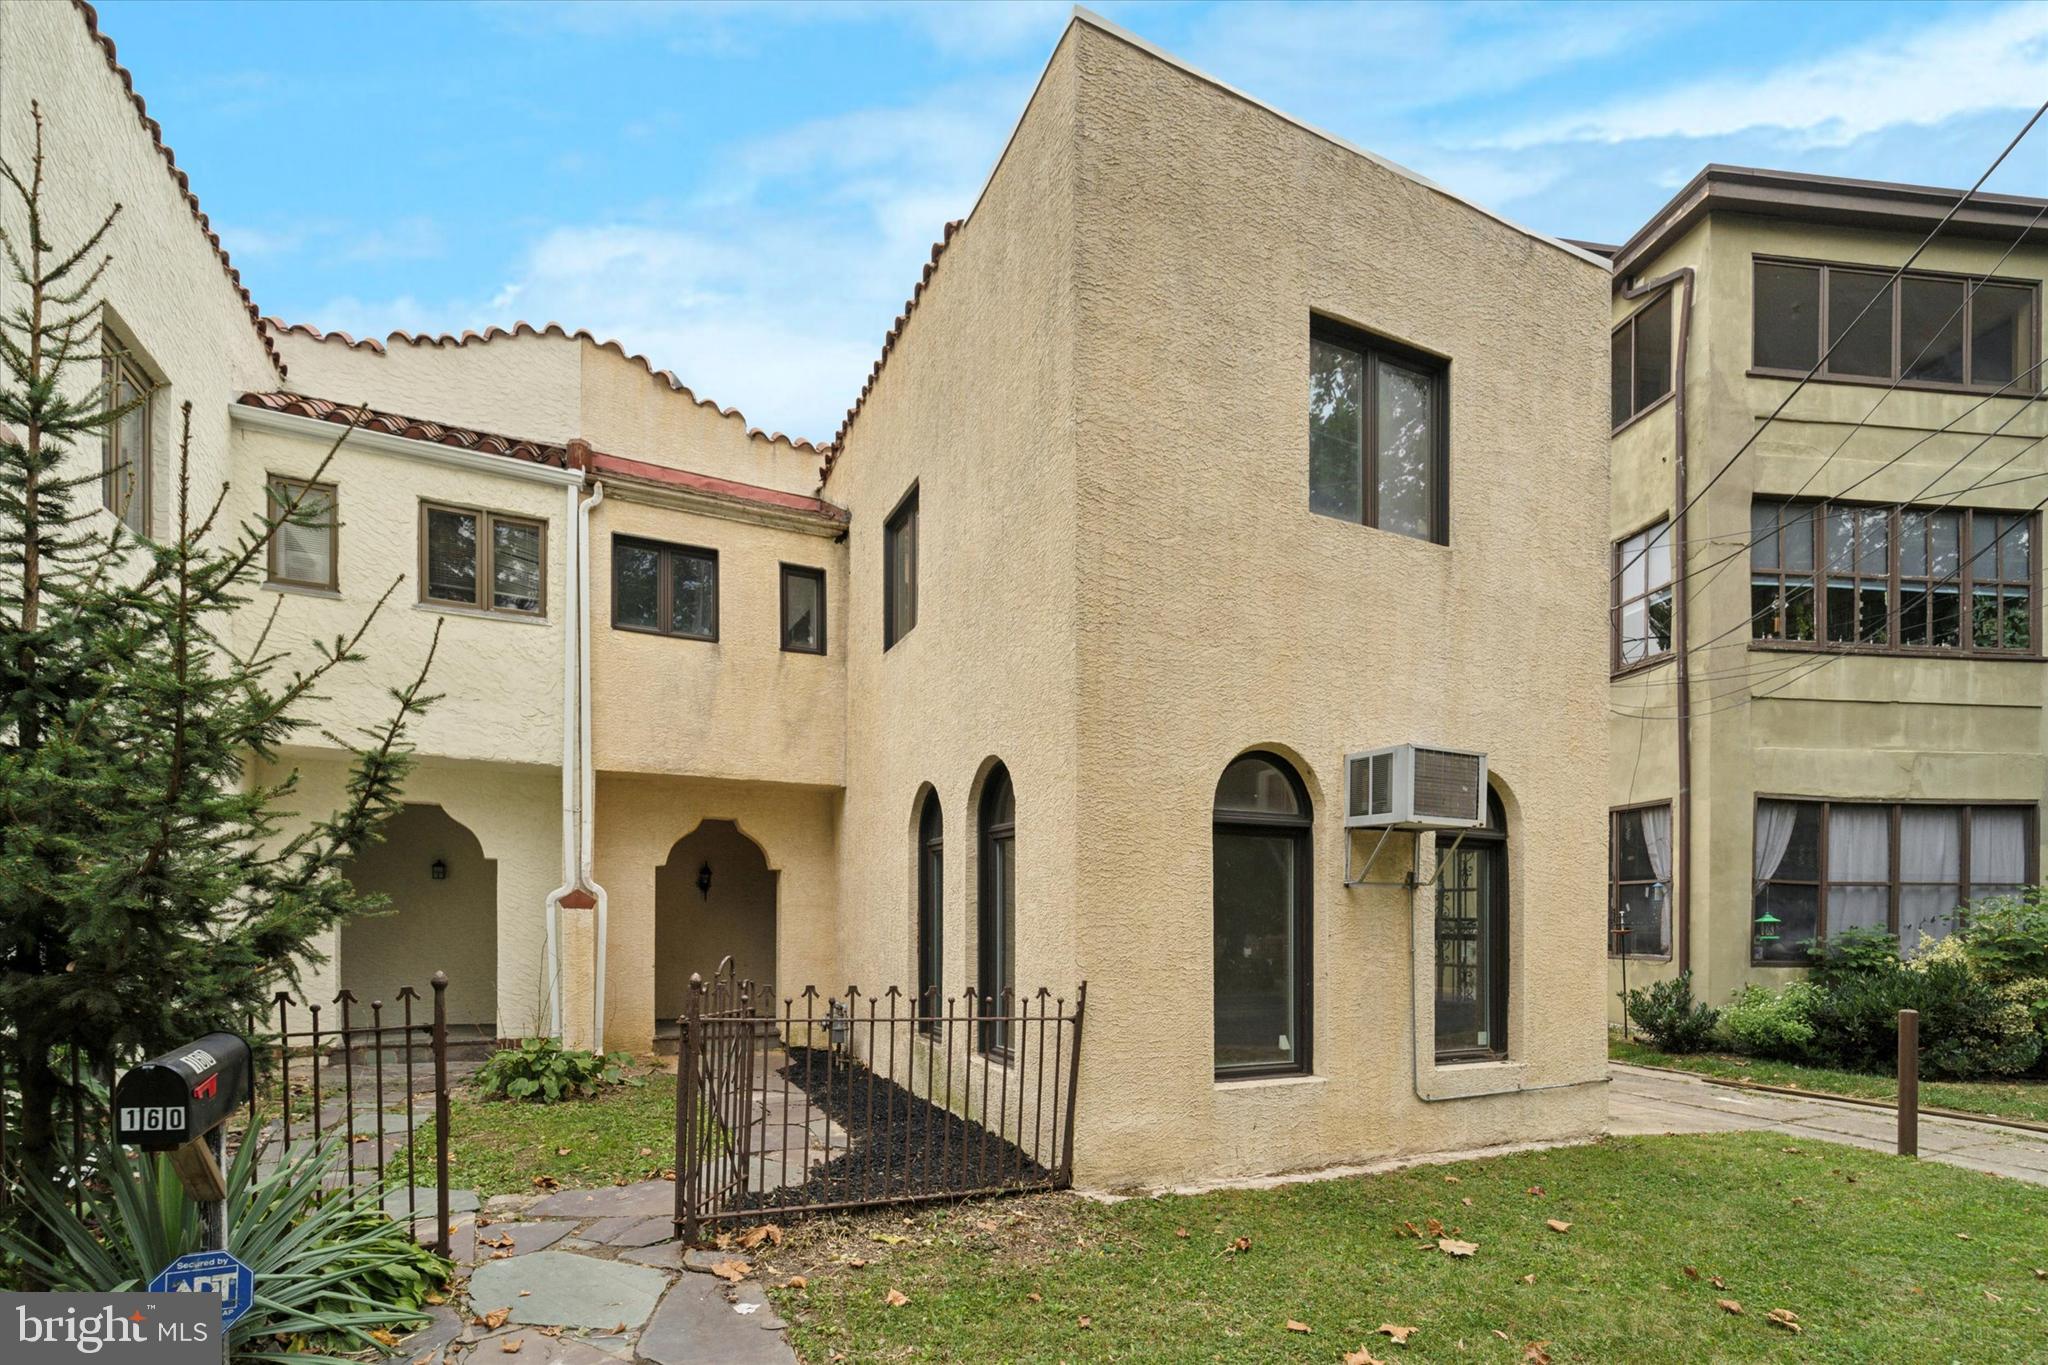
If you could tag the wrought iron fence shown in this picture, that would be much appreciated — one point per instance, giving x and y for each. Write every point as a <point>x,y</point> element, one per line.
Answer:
<point>858,1101</point>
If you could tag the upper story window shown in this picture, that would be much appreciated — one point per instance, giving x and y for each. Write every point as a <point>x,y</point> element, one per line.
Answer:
<point>1927,329</point>
<point>126,460</point>
<point>487,561</point>
<point>1377,419</point>
<point>1914,578</point>
<point>1641,375</point>
<point>1642,597</point>
<point>899,571</point>
<point>803,609</point>
<point>666,589</point>
<point>302,548</point>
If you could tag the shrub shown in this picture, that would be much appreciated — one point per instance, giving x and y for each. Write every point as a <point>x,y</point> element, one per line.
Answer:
<point>1854,955</point>
<point>1765,1023</point>
<point>331,1270</point>
<point>1670,1018</point>
<point>2006,937</point>
<point>542,1070</point>
<point>1969,1027</point>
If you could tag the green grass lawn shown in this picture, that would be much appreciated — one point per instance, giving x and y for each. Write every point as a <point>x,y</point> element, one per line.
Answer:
<point>1881,1258</point>
<point>500,1146</point>
<point>2001,1099</point>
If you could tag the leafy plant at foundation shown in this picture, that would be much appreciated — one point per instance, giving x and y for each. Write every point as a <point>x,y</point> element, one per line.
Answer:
<point>542,1070</point>
<point>1669,1016</point>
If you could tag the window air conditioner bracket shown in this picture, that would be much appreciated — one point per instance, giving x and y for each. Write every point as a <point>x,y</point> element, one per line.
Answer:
<point>1442,858</point>
<point>1413,880</point>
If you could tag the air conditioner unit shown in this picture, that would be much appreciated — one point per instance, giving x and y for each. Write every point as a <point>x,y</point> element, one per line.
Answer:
<point>1414,786</point>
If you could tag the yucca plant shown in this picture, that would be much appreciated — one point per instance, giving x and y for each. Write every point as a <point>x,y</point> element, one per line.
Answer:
<point>333,1273</point>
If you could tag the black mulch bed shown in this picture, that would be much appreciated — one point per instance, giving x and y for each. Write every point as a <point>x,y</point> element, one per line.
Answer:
<point>903,1145</point>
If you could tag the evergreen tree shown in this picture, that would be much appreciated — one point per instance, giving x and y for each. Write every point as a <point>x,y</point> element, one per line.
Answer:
<point>149,889</point>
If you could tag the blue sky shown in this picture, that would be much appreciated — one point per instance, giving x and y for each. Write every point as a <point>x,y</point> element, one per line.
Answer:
<point>747,192</point>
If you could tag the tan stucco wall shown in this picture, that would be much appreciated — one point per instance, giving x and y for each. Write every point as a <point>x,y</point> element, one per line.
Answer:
<point>629,411</point>
<point>166,293</point>
<point>425,918</point>
<point>1858,728</point>
<point>736,707</point>
<point>696,930</point>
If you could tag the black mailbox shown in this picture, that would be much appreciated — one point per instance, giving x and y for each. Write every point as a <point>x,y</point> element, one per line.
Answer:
<point>171,1100</point>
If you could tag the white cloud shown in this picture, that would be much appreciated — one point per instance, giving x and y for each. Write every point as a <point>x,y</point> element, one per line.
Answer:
<point>1969,61</point>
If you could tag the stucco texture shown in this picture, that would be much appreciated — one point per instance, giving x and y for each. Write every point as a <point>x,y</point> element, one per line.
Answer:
<point>1856,728</point>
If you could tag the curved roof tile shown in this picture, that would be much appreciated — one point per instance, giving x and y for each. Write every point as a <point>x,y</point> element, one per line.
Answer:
<point>412,428</point>
<point>838,443</point>
<point>156,134</point>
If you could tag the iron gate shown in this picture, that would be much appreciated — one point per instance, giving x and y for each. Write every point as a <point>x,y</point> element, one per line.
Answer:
<point>857,1101</point>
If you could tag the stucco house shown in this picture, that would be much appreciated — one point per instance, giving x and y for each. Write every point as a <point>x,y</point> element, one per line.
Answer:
<point>1827,711</point>
<point>1182,476</point>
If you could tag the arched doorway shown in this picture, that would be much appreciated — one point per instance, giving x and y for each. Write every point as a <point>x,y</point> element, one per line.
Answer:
<point>442,916</point>
<point>714,898</point>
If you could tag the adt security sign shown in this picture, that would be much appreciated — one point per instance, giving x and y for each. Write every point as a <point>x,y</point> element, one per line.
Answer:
<point>210,1272</point>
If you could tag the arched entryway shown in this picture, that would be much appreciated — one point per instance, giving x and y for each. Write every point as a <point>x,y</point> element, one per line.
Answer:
<point>714,898</point>
<point>442,916</point>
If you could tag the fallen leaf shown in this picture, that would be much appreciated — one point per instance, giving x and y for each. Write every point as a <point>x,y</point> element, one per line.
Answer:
<point>384,1337</point>
<point>732,1272</point>
<point>1992,1297</point>
<point>1557,1225</point>
<point>1034,1297</point>
<point>1785,1318</point>
<point>1452,1180</point>
<point>432,1298</point>
<point>1451,1246</point>
<point>2039,1275</point>
<point>1534,1354</point>
<point>1691,1273</point>
<point>1731,1306</point>
<point>1964,1237</point>
<point>766,1232</point>
<point>618,1329</point>
<point>1502,1335</point>
<point>1181,1233</point>
<point>495,1319</point>
<point>549,1331</point>
<point>896,1298</point>
<point>1466,1201</point>
<point>526,1293</point>
<point>1399,1334</point>
<point>647,1151</point>
<point>1084,1322</point>
<point>1408,1229</point>
<point>1435,1226</point>
<point>546,1182</point>
<point>1793,1150</point>
<point>857,1263</point>
<point>512,1346</point>
<point>1529,1278</point>
<point>1300,1327</point>
<point>500,1255</point>
<point>562,1151</point>
<point>1237,1245</point>
<point>1536,1190</point>
<point>890,1239</point>
<point>796,1282</point>
<point>1361,1356</point>
<point>1717,1282</point>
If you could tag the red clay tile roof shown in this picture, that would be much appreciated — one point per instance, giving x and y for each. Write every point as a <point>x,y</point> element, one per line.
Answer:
<point>552,329</point>
<point>831,452</point>
<point>414,429</point>
<point>156,134</point>
<point>619,466</point>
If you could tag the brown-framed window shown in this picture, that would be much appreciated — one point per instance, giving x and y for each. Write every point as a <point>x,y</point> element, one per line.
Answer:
<point>1472,941</point>
<point>1641,373</point>
<point>1896,578</point>
<point>1263,905</point>
<point>995,977</point>
<point>803,609</point>
<point>1378,432</point>
<point>127,455</point>
<point>1928,329</point>
<point>665,589</point>
<point>899,570</point>
<point>483,560</point>
<point>1906,868</point>
<point>1639,881</point>
<point>1641,618</point>
<point>305,547</point>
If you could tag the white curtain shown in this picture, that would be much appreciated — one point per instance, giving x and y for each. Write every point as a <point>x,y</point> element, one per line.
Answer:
<point>1998,850</point>
<point>1774,822</point>
<point>1930,872</point>
<point>1859,851</point>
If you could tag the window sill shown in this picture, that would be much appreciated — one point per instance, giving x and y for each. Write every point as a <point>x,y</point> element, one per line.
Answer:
<point>1643,665</point>
<point>478,614</point>
<point>1640,414</point>
<point>302,590</point>
<point>1639,957</point>
<point>1428,541</point>
<point>1269,1082</point>
<point>1896,652</point>
<point>1473,1080</point>
<point>1909,386</point>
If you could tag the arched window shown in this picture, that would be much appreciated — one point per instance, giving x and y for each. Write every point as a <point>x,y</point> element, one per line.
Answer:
<point>1263,897</point>
<point>930,911</point>
<point>996,913</point>
<point>1472,942</point>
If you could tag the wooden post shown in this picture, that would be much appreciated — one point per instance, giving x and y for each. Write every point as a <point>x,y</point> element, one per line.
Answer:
<point>440,1112</point>
<point>1909,1082</point>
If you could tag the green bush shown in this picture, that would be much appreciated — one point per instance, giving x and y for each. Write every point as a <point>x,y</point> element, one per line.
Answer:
<point>542,1070</point>
<point>332,1271</point>
<point>1765,1023</point>
<point>1854,955</point>
<point>2006,937</point>
<point>1670,1018</point>
<point>1968,1027</point>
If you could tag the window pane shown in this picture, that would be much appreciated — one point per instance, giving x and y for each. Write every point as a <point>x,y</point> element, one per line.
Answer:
<point>1653,353</point>
<point>2015,549</point>
<point>1466,953</point>
<point>693,594</point>
<point>1644,911</point>
<point>1860,323</point>
<point>1635,567</point>
<point>636,586</point>
<point>1984,631</point>
<point>1947,627</point>
<point>1787,317</point>
<point>1860,844</point>
<point>1946,530</point>
<point>1998,847</point>
<point>2018,622</point>
<point>899,555</point>
<point>1255,948</point>
<point>1405,425</point>
<point>2002,337</point>
<point>1621,378</point>
<point>802,610</point>
<point>304,545</point>
<point>1927,913</point>
<point>1801,860</point>
<point>1763,535</point>
<point>1797,546</point>
<point>515,566</point>
<point>1798,911</point>
<point>451,556</point>
<point>1859,907</point>
<point>1657,564</point>
<point>1659,603</point>
<point>1254,785</point>
<point>1635,632</point>
<point>1632,850</point>
<point>1336,431</point>
<point>1931,329</point>
<point>1930,844</point>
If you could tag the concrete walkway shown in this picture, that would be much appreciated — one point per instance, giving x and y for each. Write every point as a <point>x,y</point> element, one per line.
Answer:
<point>1644,1101</point>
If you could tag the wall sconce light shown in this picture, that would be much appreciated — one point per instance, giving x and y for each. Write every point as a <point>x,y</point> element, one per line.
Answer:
<point>704,881</point>
<point>439,871</point>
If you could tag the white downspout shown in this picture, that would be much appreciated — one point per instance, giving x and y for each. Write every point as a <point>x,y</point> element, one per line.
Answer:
<point>589,775</point>
<point>572,613</point>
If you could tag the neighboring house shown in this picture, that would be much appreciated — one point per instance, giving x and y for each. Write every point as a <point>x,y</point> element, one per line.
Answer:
<point>1858,600</point>
<point>1209,451</point>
